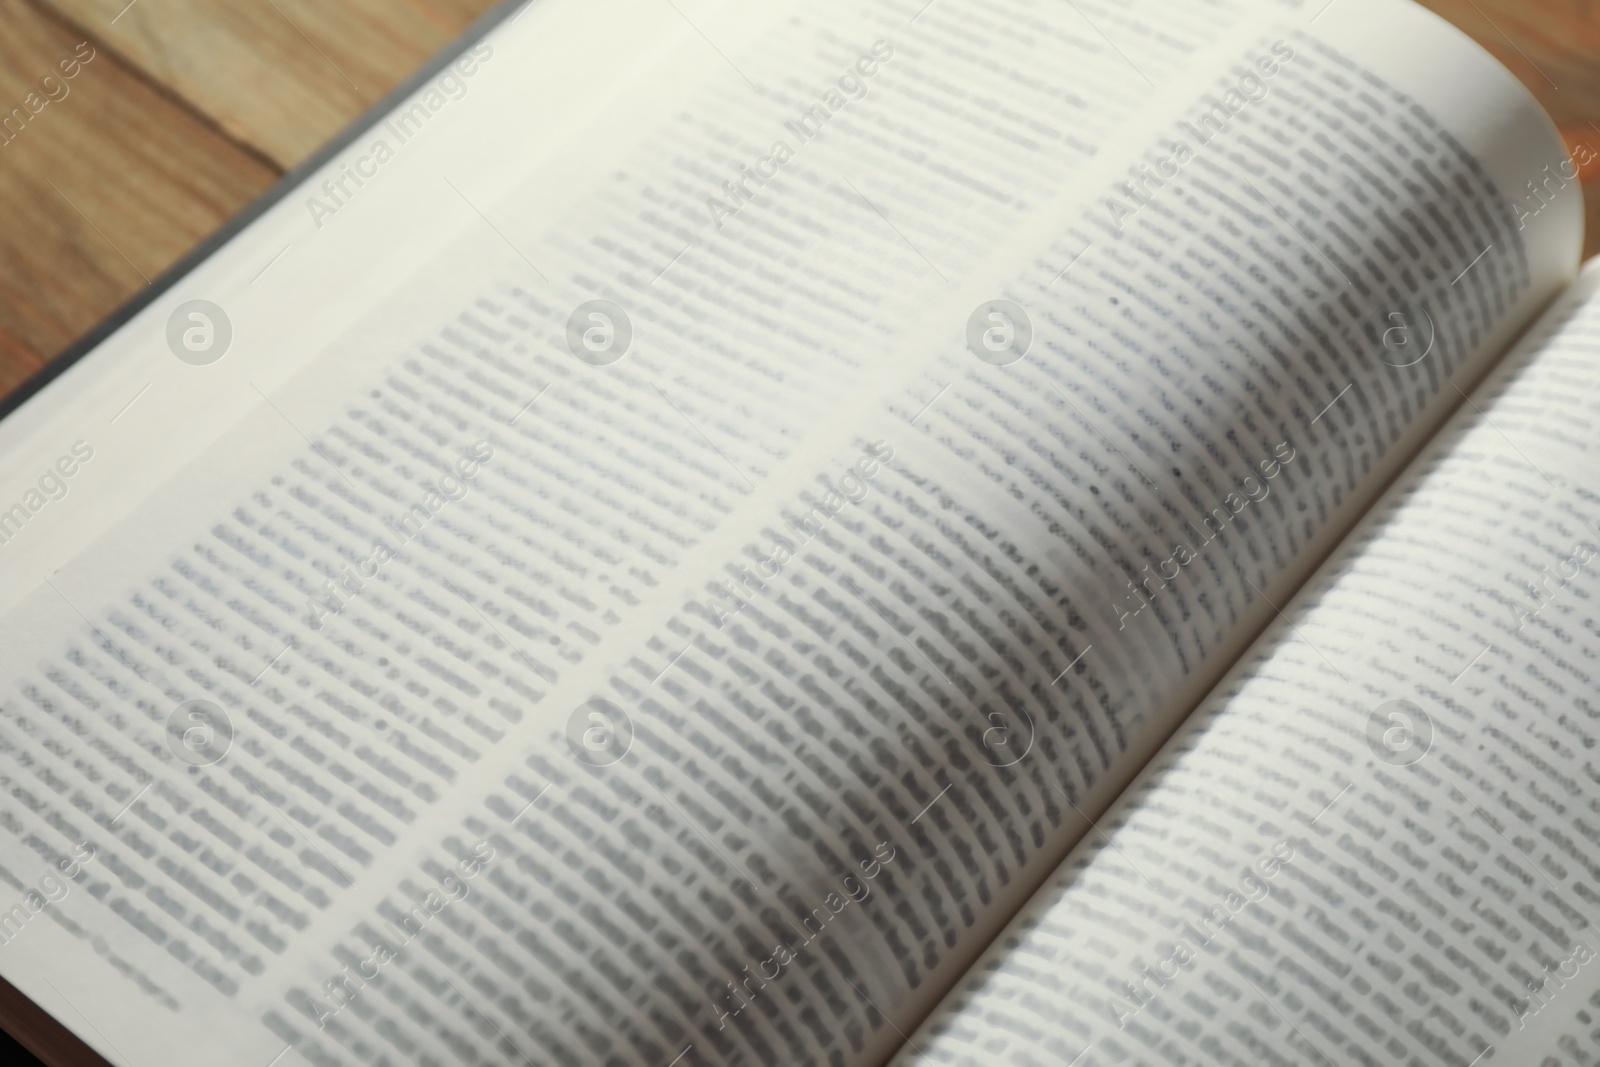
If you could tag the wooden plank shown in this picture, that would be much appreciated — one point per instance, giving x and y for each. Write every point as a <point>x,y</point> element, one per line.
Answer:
<point>281,76</point>
<point>100,188</point>
<point>17,361</point>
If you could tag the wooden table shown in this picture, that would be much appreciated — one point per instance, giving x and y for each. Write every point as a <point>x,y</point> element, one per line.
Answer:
<point>187,109</point>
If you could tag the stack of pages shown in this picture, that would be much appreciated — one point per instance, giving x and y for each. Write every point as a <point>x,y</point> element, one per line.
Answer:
<point>1004,532</point>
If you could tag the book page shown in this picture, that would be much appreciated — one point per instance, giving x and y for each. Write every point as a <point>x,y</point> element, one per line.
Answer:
<point>681,625</point>
<point>1378,841</point>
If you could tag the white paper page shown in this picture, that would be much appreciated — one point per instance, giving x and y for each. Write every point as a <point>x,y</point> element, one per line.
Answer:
<point>574,107</point>
<point>1377,841</point>
<point>429,711</point>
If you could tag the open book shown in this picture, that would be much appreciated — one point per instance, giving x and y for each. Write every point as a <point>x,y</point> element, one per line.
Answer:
<point>971,531</point>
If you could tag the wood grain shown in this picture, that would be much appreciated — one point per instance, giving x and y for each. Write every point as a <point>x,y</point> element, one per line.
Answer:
<point>280,76</point>
<point>100,190</point>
